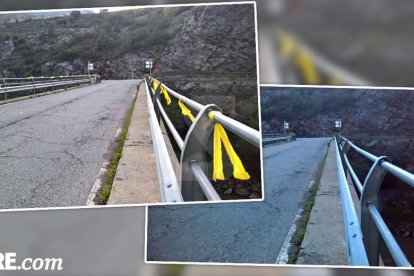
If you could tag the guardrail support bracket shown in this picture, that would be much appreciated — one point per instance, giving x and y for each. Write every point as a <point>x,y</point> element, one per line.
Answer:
<point>195,146</point>
<point>370,195</point>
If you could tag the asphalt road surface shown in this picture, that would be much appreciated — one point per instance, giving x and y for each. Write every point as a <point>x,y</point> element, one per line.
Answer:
<point>52,147</point>
<point>239,232</point>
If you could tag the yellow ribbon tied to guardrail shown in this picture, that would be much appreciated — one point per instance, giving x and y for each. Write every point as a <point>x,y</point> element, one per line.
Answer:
<point>164,91</point>
<point>290,49</point>
<point>220,136</point>
<point>185,111</point>
<point>166,95</point>
<point>287,45</point>
<point>334,80</point>
<point>155,84</point>
<point>309,71</point>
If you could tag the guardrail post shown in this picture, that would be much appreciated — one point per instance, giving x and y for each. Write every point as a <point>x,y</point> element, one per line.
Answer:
<point>155,96</point>
<point>344,149</point>
<point>34,86</point>
<point>370,195</point>
<point>5,88</point>
<point>344,152</point>
<point>195,147</point>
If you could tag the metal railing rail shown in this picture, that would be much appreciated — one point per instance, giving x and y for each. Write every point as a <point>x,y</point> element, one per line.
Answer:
<point>354,237</point>
<point>269,139</point>
<point>372,223</point>
<point>12,85</point>
<point>170,190</point>
<point>194,184</point>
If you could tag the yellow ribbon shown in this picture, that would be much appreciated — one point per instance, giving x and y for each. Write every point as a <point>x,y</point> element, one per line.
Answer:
<point>306,65</point>
<point>155,84</point>
<point>166,95</point>
<point>185,111</point>
<point>239,172</point>
<point>164,91</point>
<point>287,45</point>
<point>334,80</point>
<point>220,135</point>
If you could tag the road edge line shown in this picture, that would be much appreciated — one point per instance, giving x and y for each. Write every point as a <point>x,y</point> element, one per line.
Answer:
<point>97,185</point>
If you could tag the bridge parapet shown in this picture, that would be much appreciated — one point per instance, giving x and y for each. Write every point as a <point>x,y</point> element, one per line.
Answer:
<point>363,241</point>
<point>208,124</point>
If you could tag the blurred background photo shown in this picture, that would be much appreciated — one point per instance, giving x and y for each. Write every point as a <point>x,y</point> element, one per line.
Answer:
<point>317,41</point>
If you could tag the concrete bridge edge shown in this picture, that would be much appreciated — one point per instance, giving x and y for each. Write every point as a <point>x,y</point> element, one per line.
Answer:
<point>324,242</point>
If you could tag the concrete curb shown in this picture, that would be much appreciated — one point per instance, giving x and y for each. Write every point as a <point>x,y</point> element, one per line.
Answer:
<point>136,178</point>
<point>324,241</point>
<point>283,257</point>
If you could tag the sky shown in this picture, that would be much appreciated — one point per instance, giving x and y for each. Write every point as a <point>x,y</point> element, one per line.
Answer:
<point>95,10</point>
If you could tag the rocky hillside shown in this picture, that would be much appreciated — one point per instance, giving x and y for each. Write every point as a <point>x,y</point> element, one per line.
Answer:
<point>364,113</point>
<point>379,121</point>
<point>214,39</point>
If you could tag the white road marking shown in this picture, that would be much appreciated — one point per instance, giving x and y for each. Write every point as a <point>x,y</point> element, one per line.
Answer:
<point>283,256</point>
<point>97,185</point>
<point>98,182</point>
<point>118,132</point>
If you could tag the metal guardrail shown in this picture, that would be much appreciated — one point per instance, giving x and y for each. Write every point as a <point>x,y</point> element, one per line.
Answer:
<point>310,67</point>
<point>13,85</point>
<point>270,139</point>
<point>194,185</point>
<point>372,223</point>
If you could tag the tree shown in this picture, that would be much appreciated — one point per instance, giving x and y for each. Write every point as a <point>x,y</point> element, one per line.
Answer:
<point>102,41</point>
